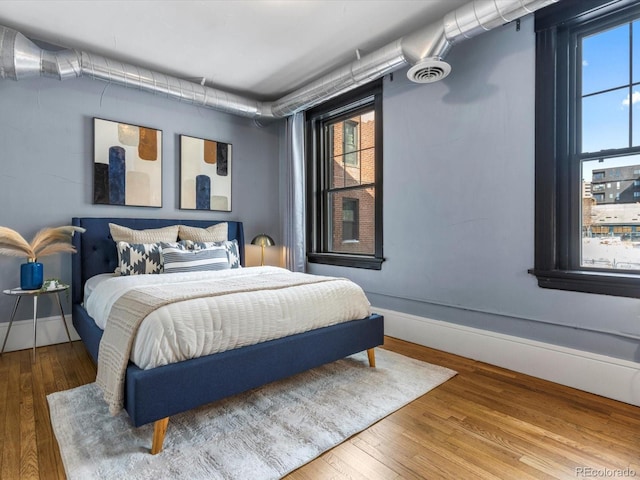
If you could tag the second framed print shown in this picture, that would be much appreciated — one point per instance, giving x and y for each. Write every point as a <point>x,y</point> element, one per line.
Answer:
<point>205,174</point>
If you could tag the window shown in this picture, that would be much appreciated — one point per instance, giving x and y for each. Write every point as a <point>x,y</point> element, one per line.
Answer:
<point>587,130</point>
<point>350,221</point>
<point>344,155</point>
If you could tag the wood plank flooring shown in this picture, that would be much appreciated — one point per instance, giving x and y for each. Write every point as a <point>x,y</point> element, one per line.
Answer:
<point>485,423</point>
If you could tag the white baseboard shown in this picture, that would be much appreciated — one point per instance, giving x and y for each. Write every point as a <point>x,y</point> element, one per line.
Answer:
<point>50,331</point>
<point>606,376</point>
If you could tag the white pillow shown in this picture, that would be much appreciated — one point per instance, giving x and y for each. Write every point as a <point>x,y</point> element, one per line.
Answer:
<point>151,235</point>
<point>214,233</point>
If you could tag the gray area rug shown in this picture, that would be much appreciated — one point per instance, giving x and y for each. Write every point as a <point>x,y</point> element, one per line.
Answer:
<point>262,434</point>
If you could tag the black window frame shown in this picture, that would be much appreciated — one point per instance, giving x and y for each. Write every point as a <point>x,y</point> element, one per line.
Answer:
<point>318,215</point>
<point>557,179</point>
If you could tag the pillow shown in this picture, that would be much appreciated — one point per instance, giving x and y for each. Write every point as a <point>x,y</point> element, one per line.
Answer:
<point>177,260</point>
<point>231,246</point>
<point>214,233</point>
<point>139,258</point>
<point>142,258</point>
<point>152,235</point>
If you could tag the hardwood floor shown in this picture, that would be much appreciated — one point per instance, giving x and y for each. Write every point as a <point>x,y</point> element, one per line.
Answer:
<point>485,423</point>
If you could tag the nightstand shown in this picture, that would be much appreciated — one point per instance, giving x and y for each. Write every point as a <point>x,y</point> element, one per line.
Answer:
<point>19,293</point>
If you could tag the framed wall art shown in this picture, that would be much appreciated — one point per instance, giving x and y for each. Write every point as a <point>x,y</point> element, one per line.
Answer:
<point>205,174</point>
<point>127,164</point>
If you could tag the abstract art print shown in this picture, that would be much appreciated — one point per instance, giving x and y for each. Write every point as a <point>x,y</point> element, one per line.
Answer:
<point>205,174</point>
<point>127,165</point>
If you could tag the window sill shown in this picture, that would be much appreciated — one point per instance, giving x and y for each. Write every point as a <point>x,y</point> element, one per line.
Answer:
<point>342,260</point>
<point>603,283</point>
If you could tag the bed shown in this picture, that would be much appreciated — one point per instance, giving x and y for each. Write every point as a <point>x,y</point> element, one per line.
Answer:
<point>153,395</point>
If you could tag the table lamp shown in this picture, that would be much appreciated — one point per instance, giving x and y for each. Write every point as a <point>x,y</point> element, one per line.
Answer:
<point>263,240</point>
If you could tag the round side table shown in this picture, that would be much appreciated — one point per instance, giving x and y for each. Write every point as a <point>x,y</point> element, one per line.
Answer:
<point>19,293</point>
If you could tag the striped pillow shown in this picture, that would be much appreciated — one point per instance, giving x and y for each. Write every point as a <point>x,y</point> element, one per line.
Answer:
<point>230,245</point>
<point>177,260</point>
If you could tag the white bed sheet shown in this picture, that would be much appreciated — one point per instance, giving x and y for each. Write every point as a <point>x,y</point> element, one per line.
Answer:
<point>203,326</point>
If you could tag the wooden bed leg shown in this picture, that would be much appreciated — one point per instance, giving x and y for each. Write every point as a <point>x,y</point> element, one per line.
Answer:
<point>159,429</point>
<point>371,353</point>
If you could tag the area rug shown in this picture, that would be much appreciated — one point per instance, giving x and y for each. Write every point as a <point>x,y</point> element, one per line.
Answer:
<point>262,434</point>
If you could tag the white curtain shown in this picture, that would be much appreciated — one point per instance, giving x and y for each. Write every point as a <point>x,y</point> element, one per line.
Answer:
<point>294,208</point>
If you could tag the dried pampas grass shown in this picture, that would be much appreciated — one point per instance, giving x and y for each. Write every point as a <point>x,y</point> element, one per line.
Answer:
<point>47,241</point>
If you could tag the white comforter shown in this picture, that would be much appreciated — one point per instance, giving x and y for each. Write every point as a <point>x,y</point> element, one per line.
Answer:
<point>203,326</point>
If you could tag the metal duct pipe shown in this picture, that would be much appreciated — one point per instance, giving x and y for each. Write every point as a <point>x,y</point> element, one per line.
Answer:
<point>424,49</point>
<point>370,67</point>
<point>427,53</point>
<point>479,16</point>
<point>112,71</point>
<point>20,58</point>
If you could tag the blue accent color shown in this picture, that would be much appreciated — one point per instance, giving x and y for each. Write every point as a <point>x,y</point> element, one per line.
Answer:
<point>164,391</point>
<point>222,160</point>
<point>117,175</point>
<point>203,192</point>
<point>31,276</point>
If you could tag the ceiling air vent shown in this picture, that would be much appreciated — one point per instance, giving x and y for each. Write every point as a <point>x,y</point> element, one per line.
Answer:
<point>428,71</point>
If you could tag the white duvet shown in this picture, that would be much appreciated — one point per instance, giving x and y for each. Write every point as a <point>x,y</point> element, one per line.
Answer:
<point>197,327</point>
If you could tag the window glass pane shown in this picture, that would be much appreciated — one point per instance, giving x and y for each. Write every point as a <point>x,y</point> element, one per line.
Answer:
<point>611,213</point>
<point>635,105</point>
<point>352,172</point>
<point>605,121</point>
<point>636,51</point>
<point>605,60</point>
<point>336,157</point>
<point>336,169</point>
<point>368,165</point>
<point>367,128</point>
<point>353,150</point>
<point>352,227</point>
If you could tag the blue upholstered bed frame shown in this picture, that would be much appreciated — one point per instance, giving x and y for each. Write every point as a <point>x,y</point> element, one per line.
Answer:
<point>152,395</point>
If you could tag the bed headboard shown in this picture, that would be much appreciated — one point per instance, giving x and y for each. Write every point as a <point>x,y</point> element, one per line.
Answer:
<point>96,250</point>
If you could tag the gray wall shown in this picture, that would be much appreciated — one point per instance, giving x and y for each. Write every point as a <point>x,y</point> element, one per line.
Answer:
<point>46,155</point>
<point>459,206</point>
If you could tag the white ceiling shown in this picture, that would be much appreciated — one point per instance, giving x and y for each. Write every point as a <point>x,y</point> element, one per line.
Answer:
<point>261,48</point>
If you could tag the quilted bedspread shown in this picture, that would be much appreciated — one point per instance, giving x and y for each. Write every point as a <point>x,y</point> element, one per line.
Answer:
<point>187,328</point>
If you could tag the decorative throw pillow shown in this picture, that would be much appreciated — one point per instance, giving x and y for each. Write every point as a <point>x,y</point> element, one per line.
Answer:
<point>214,233</point>
<point>152,235</point>
<point>142,258</point>
<point>231,246</point>
<point>177,260</point>
<point>139,258</point>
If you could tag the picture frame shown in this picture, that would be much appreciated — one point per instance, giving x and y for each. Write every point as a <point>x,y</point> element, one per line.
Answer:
<point>205,174</point>
<point>127,164</point>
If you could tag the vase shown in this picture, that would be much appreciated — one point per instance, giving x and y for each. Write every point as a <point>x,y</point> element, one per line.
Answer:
<point>31,277</point>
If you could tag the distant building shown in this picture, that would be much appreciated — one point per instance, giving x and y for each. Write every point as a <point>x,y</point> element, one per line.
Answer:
<point>621,220</point>
<point>616,185</point>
